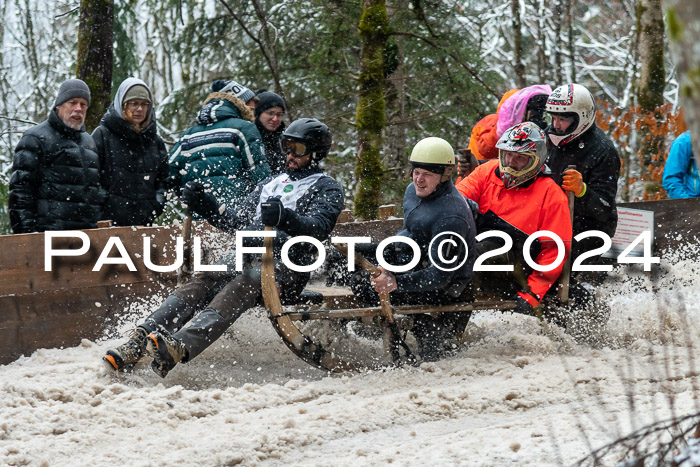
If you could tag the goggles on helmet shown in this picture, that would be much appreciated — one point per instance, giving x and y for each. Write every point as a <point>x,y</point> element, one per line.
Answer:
<point>296,148</point>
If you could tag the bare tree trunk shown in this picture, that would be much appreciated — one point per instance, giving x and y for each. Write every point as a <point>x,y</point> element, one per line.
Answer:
<point>4,85</point>
<point>683,20</point>
<point>32,56</point>
<point>396,134</point>
<point>558,13</point>
<point>370,117</point>
<point>5,156</point>
<point>570,28</point>
<point>650,24</point>
<point>95,55</point>
<point>542,68</point>
<point>517,44</point>
<point>652,79</point>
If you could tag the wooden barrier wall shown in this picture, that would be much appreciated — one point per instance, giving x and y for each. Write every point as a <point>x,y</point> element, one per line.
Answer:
<point>45,309</point>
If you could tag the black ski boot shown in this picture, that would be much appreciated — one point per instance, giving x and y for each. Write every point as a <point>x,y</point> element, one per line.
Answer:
<point>166,351</point>
<point>128,354</point>
<point>431,336</point>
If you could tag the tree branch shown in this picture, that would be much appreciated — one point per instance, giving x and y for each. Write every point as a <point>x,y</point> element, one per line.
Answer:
<point>12,119</point>
<point>252,36</point>
<point>67,13</point>
<point>451,55</point>
<point>272,61</point>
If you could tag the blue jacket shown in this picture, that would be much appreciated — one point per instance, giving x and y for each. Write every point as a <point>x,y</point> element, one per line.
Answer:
<point>681,178</point>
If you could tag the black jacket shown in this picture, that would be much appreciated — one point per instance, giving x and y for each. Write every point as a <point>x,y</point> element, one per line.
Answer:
<point>55,182</point>
<point>428,221</point>
<point>276,158</point>
<point>134,170</point>
<point>596,158</point>
<point>315,213</point>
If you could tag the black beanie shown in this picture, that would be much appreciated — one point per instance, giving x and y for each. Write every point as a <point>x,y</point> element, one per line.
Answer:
<point>70,89</point>
<point>267,100</point>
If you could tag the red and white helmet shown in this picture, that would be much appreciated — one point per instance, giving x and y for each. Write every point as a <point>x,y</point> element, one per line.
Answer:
<point>571,100</point>
<point>524,138</point>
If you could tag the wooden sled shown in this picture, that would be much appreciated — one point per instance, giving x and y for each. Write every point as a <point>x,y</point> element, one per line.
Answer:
<point>392,321</point>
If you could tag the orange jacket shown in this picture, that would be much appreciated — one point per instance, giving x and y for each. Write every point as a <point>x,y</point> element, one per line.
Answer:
<point>520,212</point>
<point>482,142</point>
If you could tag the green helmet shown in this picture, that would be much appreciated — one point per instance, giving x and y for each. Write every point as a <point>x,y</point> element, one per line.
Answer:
<point>434,154</point>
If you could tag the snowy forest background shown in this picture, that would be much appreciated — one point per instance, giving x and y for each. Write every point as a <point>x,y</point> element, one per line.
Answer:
<point>445,65</point>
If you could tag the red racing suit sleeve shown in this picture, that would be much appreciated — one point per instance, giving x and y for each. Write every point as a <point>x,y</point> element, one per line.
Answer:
<point>555,218</point>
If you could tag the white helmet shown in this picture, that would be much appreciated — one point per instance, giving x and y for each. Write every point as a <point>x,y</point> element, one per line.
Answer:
<point>576,101</point>
<point>524,138</point>
<point>434,154</point>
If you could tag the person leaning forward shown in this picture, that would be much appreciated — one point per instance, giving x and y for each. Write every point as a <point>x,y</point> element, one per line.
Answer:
<point>516,196</point>
<point>224,150</point>
<point>301,201</point>
<point>55,181</point>
<point>435,214</point>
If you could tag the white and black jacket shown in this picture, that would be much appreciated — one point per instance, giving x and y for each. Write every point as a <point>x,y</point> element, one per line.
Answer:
<point>314,201</point>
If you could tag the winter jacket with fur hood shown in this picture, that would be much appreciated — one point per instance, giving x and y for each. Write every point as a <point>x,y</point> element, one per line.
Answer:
<point>134,164</point>
<point>224,151</point>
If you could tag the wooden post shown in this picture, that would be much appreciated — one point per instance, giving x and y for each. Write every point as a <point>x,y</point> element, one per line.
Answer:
<point>390,330</point>
<point>566,271</point>
<point>186,268</point>
<point>387,211</point>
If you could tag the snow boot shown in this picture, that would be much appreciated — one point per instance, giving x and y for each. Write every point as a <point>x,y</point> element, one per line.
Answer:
<point>431,336</point>
<point>128,354</point>
<point>166,351</point>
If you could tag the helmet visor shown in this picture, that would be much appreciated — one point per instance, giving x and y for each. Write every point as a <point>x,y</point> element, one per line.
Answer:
<point>296,148</point>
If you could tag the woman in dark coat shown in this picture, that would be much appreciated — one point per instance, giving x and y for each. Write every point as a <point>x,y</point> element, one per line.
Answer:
<point>269,113</point>
<point>133,159</point>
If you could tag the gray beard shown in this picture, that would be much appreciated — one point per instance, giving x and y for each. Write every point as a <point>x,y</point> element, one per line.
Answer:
<point>70,124</point>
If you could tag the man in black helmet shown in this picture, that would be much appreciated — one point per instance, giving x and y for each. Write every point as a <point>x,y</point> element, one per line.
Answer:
<point>301,201</point>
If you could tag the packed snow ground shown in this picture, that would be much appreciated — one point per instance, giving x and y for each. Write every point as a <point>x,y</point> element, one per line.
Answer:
<point>516,393</point>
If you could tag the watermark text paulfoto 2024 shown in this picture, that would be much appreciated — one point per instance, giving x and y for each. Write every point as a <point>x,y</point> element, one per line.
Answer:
<point>447,251</point>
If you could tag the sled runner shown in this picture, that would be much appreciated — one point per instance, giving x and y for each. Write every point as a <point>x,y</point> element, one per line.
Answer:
<point>391,322</point>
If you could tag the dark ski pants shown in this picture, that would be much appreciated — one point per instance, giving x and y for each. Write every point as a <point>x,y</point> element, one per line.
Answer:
<point>212,302</point>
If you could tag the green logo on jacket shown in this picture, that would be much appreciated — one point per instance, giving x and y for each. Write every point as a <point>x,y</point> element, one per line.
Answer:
<point>288,188</point>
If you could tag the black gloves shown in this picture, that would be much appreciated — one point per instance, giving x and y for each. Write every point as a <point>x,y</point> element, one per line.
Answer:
<point>462,163</point>
<point>198,200</point>
<point>273,212</point>
<point>522,306</point>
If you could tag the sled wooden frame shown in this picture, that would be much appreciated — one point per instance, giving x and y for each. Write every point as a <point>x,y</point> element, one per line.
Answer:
<point>313,353</point>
